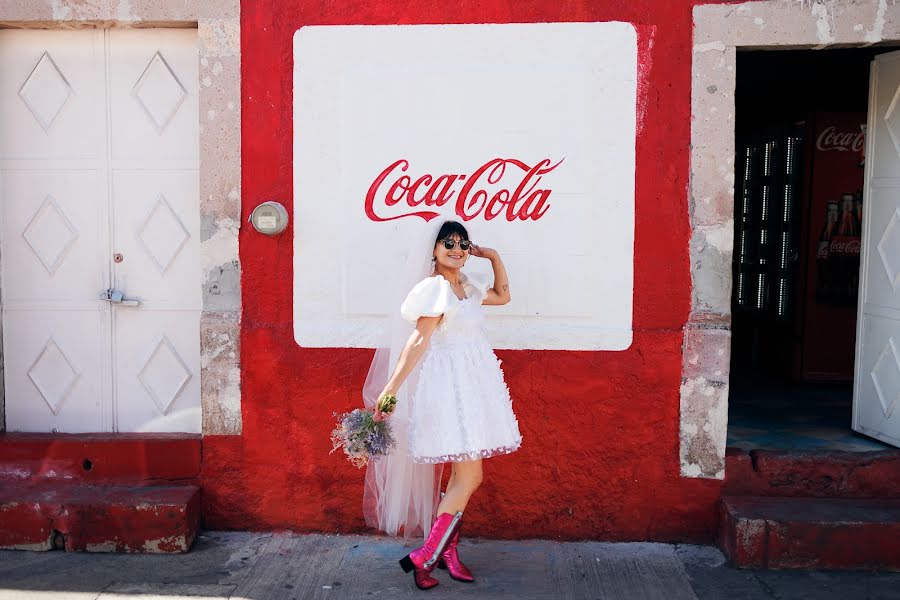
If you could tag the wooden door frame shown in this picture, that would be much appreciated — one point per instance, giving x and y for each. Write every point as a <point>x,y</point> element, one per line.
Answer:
<point>218,29</point>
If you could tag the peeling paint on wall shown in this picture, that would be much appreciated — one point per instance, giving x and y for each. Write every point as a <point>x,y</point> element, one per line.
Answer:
<point>220,364</point>
<point>824,22</point>
<point>643,82</point>
<point>114,13</point>
<point>876,32</point>
<point>702,434</point>
<point>220,248</point>
<point>220,37</point>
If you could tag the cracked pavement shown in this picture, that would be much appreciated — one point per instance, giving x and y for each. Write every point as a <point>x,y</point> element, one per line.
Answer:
<point>276,566</point>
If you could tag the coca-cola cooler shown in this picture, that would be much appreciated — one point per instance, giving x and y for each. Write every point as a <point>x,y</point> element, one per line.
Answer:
<point>834,216</point>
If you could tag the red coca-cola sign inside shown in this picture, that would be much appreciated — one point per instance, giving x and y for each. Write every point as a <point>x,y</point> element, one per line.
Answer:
<point>832,138</point>
<point>500,187</point>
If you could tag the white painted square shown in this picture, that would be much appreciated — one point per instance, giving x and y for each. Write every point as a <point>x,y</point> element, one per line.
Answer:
<point>448,99</point>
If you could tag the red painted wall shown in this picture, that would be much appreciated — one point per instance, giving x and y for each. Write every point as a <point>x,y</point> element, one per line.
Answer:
<point>599,458</point>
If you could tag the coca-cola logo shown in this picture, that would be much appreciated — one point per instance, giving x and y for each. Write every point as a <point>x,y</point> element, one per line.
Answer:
<point>501,186</point>
<point>845,245</point>
<point>842,141</point>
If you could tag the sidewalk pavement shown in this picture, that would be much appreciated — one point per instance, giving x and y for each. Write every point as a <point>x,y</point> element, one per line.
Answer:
<point>285,566</point>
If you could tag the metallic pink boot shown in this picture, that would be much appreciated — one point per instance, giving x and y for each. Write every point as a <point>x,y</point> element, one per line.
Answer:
<point>450,560</point>
<point>423,560</point>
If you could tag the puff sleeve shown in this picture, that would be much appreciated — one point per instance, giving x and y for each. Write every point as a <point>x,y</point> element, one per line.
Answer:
<point>429,298</point>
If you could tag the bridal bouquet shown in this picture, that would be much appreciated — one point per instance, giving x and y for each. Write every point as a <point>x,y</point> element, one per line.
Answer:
<point>361,436</point>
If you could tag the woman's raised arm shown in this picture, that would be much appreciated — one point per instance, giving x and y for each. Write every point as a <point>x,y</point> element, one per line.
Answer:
<point>499,294</point>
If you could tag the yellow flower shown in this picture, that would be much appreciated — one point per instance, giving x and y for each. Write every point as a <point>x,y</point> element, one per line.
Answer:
<point>387,403</point>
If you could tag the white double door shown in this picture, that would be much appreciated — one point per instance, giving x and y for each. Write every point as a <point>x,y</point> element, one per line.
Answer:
<point>99,230</point>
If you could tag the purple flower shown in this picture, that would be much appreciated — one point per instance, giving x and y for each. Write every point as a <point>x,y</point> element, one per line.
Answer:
<point>361,437</point>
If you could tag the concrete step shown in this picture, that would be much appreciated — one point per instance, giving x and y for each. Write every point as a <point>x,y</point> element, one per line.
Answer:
<point>98,518</point>
<point>812,473</point>
<point>811,533</point>
<point>100,457</point>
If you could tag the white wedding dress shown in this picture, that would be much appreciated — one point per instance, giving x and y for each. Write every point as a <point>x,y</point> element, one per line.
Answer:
<point>461,409</point>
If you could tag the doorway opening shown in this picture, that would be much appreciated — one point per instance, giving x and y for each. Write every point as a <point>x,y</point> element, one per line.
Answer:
<point>799,175</point>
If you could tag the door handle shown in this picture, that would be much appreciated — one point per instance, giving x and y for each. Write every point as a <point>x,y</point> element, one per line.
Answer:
<point>116,297</point>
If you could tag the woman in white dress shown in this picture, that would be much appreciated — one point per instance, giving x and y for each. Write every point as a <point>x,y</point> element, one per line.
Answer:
<point>453,404</point>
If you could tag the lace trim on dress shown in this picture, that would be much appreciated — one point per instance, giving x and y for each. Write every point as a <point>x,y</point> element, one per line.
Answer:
<point>473,455</point>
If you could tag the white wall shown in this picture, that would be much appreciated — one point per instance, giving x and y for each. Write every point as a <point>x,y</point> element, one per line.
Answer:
<point>448,99</point>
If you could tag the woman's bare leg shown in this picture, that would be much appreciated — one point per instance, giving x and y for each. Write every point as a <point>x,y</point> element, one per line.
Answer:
<point>452,477</point>
<point>464,480</point>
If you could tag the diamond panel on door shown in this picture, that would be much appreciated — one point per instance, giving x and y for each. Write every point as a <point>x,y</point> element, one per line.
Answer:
<point>164,375</point>
<point>163,234</point>
<point>46,91</point>
<point>158,370</point>
<point>51,94</point>
<point>159,92</point>
<point>153,89</point>
<point>886,377</point>
<point>54,237</point>
<point>50,234</point>
<point>880,370</point>
<point>889,249</point>
<point>53,375</point>
<point>157,225</point>
<point>882,265</point>
<point>53,371</point>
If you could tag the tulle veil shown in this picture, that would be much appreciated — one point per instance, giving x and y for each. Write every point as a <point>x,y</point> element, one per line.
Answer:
<point>401,497</point>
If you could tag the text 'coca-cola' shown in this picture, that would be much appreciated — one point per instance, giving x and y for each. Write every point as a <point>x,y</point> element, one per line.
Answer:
<point>843,141</point>
<point>481,192</point>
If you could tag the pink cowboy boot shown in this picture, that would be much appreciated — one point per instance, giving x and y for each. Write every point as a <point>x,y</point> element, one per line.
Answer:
<point>424,559</point>
<point>450,560</point>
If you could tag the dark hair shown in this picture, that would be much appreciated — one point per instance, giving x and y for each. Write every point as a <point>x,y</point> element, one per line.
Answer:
<point>449,228</point>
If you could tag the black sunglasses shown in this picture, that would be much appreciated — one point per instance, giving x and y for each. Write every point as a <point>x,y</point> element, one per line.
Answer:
<point>451,244</point>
